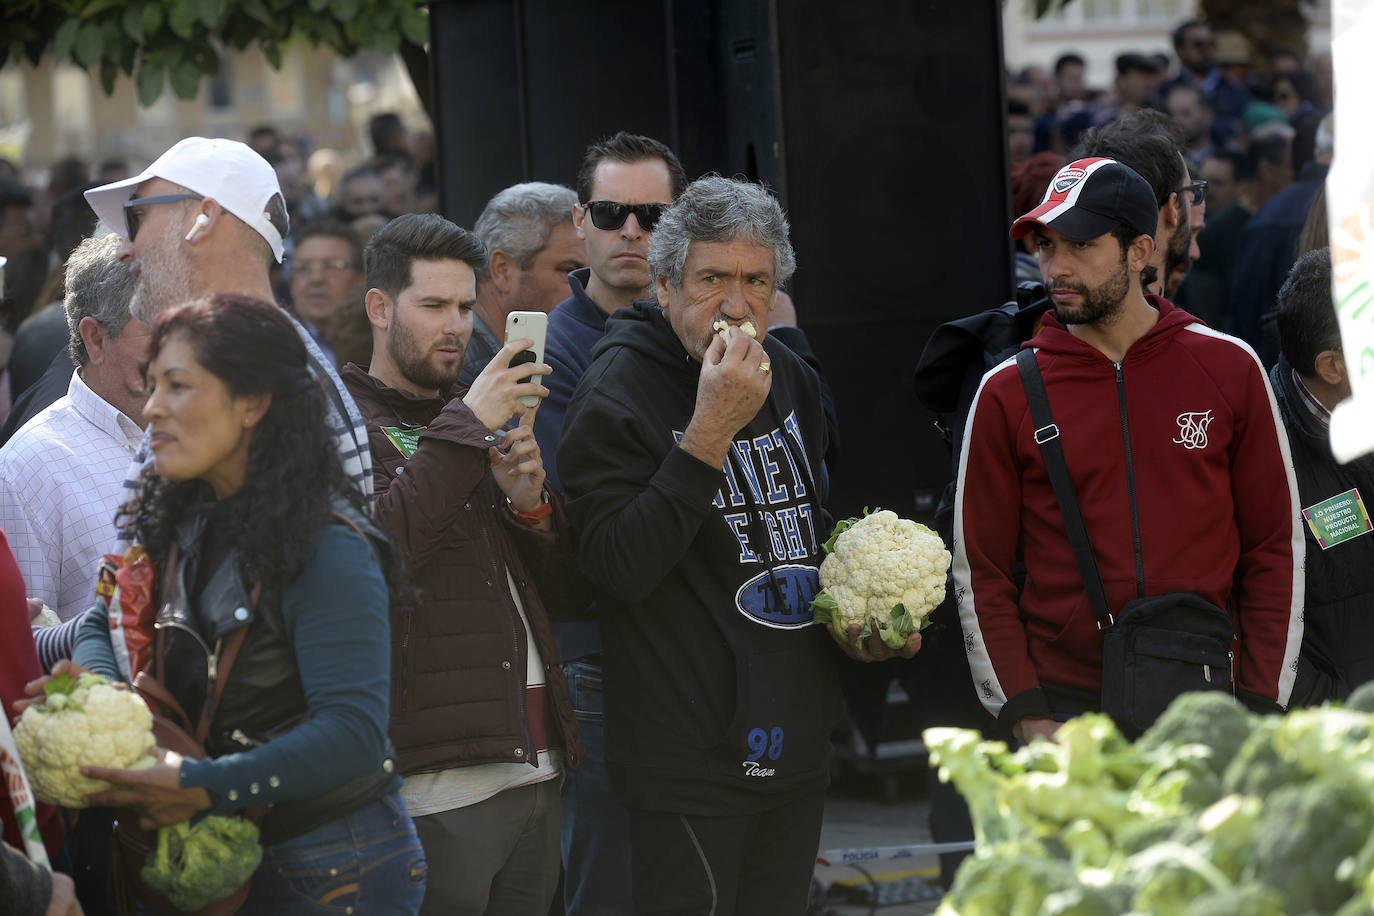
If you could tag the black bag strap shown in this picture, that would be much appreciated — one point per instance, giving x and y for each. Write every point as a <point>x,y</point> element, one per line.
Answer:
<point>1047,437</point>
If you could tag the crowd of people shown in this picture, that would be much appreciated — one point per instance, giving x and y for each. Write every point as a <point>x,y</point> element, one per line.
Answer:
<point>468,635</point>
<point>380,574</point>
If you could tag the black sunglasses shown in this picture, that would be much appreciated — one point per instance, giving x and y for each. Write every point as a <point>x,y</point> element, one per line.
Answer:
<point>1198,189</point>
<point>608,215</point>
<point>131,207</point>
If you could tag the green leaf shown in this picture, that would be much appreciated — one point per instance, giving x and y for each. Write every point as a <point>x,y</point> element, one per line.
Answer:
<point>257,10</point>
<point>345,9</point>
<point>183,18</point>
<point>186,79</point>
<point>212,12</point>
<point>150,78</point>
<point>272,51</point>
<point>109,72</point>
<point>317,6</point>
<point>824,608</point>
<point>152,18</point>
<point>330,33</point>
<point>415,26</point>
<point>132,23</point>
<point>62,683</point>
<point>63,40</point>
<point>89,43</point>
<point>387,41</point>
<point>97,6</point>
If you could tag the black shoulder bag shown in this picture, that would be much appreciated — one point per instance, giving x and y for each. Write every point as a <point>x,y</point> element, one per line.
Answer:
<point>1155,648</point>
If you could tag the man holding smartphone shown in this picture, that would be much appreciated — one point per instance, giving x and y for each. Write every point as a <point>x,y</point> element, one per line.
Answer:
<point>480,713</point>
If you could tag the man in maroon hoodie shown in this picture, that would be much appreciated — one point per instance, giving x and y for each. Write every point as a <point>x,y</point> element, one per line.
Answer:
<point>1175,448</point>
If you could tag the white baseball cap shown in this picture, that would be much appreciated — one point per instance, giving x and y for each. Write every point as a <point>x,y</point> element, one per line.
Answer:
<point>226,170</point>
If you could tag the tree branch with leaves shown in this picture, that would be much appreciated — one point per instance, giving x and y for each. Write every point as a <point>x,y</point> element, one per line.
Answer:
<point>180,41</point>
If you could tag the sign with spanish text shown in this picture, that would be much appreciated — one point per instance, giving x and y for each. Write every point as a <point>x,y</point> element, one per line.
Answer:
<point>1338,519</point>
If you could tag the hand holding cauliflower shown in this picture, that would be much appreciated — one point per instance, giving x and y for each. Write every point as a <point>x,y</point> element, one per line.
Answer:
<point>881,569</point>
<point>84,721</point>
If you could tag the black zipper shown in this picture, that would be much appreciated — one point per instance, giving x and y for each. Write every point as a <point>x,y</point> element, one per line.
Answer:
<point>1130,483</point>
<point>405,661</point>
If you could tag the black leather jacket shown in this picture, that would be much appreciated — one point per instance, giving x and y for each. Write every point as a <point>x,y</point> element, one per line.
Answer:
<point>263,697</point>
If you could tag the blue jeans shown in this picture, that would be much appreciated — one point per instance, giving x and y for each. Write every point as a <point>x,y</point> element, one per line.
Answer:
<point>369,862</point>
<point>596,829</point>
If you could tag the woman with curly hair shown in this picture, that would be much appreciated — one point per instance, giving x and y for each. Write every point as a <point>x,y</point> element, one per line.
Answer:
<point>265,571</point>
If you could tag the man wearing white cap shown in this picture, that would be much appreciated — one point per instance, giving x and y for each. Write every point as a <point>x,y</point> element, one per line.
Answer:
<point>208,217</point>
<point>1176,451</point>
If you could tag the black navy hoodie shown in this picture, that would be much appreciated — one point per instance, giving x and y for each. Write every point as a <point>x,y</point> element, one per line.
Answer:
<point>720,692</point>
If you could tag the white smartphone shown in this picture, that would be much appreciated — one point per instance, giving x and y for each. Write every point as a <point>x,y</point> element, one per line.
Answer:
<point>534,326</point>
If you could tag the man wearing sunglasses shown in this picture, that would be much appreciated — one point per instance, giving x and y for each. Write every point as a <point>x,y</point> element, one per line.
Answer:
<point>208,217</point>
<point>623,186</point>
<point>1144,142</point>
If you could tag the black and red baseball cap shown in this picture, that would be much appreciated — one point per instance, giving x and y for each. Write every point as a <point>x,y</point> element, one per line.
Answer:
<point>1091,197</point>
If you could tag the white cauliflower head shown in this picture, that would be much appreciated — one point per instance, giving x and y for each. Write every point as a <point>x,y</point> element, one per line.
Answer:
<point>886,568</point>
<point>84,722</point>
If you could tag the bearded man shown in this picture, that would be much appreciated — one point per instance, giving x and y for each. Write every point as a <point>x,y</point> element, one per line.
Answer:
<point>480,713</point>
<point>1175,448</point>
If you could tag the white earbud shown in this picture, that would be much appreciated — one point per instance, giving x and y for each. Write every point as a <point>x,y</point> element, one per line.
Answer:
<point>201,222</point>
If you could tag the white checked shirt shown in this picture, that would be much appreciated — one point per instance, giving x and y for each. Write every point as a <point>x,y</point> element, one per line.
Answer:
<point>61,482</point>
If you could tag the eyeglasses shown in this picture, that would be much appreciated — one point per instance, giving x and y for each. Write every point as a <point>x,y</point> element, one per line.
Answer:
<point>326,264</point>
<point>132,217</point>
<point>1198,189</point>
<point>608,215</point>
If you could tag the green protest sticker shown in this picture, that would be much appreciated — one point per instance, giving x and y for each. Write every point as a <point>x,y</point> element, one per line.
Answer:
<point>406,440</point>
<point>1338,519</point>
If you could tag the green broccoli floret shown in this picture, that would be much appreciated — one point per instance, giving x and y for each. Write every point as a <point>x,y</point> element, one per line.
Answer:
<point>1245,900</point>
<point>1207,717</point>
<point>1167,877</point>
<point>1015,884</point>
<point>1362,699</point>
<point>195,866</point>
<point>1303,834</point>
<point>1257,768</point>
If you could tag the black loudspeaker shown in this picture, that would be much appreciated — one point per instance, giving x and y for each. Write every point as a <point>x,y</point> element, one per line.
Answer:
<point>878,122</point>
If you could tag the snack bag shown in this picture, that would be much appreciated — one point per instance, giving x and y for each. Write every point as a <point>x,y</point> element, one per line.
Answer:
<point>125,587</point>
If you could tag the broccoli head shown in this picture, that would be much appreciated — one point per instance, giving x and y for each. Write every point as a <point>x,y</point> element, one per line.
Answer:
<point>1245,900</point>
<point>1303,834</point>
<point>1362,699</point>
<point>1207,717</point>
<point>195,866</point>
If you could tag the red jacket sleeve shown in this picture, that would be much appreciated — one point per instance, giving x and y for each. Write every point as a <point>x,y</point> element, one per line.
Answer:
<point>987,520</point>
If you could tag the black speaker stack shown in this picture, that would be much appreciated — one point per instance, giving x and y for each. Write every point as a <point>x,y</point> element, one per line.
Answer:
<point>879,123</point>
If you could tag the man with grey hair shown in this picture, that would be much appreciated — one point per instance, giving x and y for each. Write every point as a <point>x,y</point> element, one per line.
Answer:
<point>693,466</point>
<point>531,245</point>
<point>61,475</point>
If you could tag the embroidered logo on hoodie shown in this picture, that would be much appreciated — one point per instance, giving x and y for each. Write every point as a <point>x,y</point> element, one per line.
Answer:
<point>1192,429</point>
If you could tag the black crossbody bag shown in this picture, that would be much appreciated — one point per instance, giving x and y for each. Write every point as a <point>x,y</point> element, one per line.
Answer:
<point>1155,648</point>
